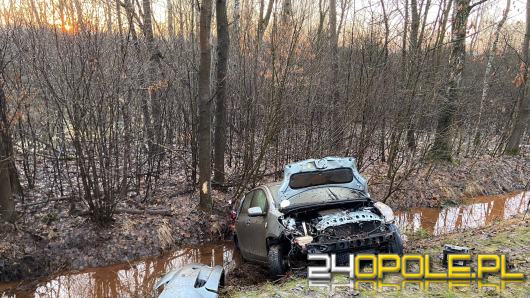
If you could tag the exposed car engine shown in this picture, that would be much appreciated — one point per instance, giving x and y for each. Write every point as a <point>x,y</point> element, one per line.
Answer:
<point>335,224</point>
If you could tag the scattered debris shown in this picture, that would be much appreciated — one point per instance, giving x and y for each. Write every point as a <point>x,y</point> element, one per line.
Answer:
<point>192,280</point>
<point>452,250</point>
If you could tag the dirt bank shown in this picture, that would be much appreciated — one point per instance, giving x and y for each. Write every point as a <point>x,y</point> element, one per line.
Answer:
<point>56,240</point>
<point>438,184</point>
<point>48,239</point>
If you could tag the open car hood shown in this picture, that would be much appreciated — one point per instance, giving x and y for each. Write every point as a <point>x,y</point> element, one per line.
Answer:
<point>291,188</point>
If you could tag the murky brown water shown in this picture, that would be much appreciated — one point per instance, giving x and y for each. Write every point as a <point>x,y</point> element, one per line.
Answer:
<point>476,213</point>
<point>136,279</point>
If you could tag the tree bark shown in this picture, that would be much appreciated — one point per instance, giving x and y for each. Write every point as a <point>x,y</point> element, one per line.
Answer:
<point>204,133</point>
<point>7,203</point>
<point>264,18</point>
<point>287,10</point>
<point>489,67</point>
<point>154,60</point>
<point>170,20</point>
<point>522,103</point>
<point>412,68</point>
<point>223,47</point>
<point>336,129</point>
<point>442,143</point>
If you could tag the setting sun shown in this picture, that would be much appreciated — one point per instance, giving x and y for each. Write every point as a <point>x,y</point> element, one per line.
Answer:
<point>65,27</point>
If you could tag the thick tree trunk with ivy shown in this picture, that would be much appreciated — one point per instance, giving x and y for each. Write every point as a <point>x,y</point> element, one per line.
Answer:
<point>204,133</point>
<point>223,46</point>
<point>523,102</point>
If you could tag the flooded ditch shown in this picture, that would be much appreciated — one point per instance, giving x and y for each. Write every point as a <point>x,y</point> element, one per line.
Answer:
<point>137,278</point>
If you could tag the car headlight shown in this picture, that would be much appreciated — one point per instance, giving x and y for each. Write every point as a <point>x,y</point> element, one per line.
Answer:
<point>387,212</point>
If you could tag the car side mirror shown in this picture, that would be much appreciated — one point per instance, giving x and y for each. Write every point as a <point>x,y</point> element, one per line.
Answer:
<point>255,211</point>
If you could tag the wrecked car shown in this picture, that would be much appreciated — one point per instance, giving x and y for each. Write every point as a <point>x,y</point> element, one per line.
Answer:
<point>321,206</point>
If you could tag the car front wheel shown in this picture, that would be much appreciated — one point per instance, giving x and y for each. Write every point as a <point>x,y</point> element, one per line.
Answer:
<point>277,266</point>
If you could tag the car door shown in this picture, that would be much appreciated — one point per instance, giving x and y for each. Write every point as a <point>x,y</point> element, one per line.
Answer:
<point>244,235</point>
<point>258,226</point>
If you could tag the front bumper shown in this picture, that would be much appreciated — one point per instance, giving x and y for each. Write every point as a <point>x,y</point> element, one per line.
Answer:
<point>370,242</point>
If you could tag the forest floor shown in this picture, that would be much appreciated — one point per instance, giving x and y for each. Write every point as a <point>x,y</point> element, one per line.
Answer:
<point>48,238</point>
<point>510,237</point>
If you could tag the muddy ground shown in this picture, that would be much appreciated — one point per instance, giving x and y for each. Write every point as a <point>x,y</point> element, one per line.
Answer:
<point>48,238</point>
<point>56,240</point>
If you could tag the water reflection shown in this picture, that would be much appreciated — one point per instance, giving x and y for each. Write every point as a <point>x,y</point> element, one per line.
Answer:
<point>481,211</point>
<point>137,279</point>
<point>128,280</point>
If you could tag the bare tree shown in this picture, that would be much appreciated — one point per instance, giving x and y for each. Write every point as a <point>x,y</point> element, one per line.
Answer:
<point>8,181</point>
<point>170,19</point>
<point>523,102</point>
<point>264,17</point>
<point>442,143</point>
<point>337,128</point>
<point>223,46</point>
<point>486,84</point>
<point>204,132</point>
<point>7,204</point>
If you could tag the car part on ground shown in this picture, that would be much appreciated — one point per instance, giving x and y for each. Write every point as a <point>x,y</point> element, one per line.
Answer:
<point>321,206</point>
<point>192,280</point>
<point>454,249</point>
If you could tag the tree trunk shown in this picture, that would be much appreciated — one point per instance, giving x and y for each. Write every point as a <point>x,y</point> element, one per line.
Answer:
<point>223,46</point>
<point>204,133</point>
<point>170,20</point>
<point>287,10</point>
<point>236,16</point>
<point>154,61</point>
<point>337,127</point>
<point>489,67</point>
<point>264,18</point>
<point>412,68</point>
<point>442,143</point>
<point>523,103</point>
<point>7,204</point>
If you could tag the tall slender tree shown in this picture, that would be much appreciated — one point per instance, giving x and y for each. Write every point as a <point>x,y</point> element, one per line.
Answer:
<point>223,46</point>
<point>441,149</point>
<point>7,204</point>
<point>523,102</point>
<point>204,132</point>
<point>337,128</point>
<point>486,83</point>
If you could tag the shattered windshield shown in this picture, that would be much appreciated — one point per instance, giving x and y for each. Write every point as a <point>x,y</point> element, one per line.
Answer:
<point>308,179</point>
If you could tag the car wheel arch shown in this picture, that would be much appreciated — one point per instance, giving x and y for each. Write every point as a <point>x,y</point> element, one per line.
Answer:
<point>282,240</point>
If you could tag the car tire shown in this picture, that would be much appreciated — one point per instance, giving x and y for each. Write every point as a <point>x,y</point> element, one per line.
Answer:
<point>236,243</point>
<point>396,244</point>
<point>277,267</point>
